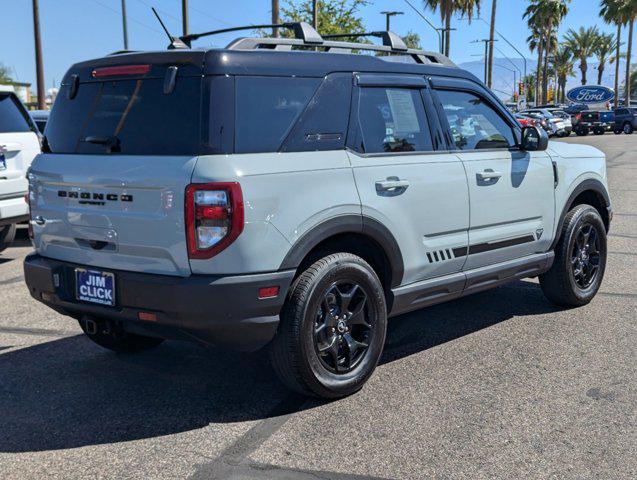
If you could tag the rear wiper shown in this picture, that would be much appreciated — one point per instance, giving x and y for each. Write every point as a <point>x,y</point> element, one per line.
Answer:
<point>110,141</point>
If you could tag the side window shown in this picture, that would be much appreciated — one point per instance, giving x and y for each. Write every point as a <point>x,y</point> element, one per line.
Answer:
<point>11,118</point>
<point>474,123</point>
<point>393,120</point>
<point>267,108</point>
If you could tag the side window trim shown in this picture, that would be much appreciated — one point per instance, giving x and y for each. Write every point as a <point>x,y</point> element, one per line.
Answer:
<point>443,117</point>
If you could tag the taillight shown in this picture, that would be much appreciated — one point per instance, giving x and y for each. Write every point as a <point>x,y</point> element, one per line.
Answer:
<point>214,217</point>
<point>578,116</point>
<point>120,70</point>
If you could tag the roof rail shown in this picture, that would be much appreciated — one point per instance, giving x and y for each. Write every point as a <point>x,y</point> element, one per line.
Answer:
<point>302,31</point>
<point>287,44</point>
<point>390,39</point>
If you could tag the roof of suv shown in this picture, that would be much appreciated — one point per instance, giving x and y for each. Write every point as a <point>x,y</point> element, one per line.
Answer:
<point>308,54</point>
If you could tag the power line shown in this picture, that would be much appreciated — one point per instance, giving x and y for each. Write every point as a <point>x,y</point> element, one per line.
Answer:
<point>129,17</point>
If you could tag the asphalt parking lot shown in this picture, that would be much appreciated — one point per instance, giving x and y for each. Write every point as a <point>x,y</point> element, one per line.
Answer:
<point>497,385</point>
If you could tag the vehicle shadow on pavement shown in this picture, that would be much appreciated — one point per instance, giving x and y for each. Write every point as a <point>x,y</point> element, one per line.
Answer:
<point>69,392</point>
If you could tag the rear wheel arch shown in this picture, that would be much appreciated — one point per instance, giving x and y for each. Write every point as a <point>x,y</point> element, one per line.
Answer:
<point>590,192</point>
<point>359,235</point>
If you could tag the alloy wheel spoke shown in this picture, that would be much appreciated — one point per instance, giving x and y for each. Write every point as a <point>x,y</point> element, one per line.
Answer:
<point>353,346</point>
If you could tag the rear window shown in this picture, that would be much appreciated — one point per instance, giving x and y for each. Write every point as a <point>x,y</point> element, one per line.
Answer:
<point>129,117</point>
<point>11,116</point>
<point>267,108</point>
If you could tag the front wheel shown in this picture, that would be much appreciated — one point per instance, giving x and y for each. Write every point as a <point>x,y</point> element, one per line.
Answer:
<point>7,235</point>
<point>582,131</point>
<point>332,329</point>
<point>628,128</point>
<point>580,259</point>
<point>599,131</point>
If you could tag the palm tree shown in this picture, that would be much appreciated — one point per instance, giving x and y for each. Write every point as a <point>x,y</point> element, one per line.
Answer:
<point>605,48</point>
<point>630,13</point>
<point>447,8</point>
<point>535,42</point>
<point>564,65</point>
<point>544,17</point>
<point>583,44</point>
<point>613,11</point>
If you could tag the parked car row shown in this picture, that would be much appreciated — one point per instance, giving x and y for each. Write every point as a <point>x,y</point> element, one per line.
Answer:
<point>561,121</point>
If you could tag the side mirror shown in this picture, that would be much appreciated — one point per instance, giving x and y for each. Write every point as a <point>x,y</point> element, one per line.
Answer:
<point>534,139</point>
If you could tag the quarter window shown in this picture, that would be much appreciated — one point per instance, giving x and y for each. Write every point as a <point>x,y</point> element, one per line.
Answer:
<point>267,108</point>
<point>11,117</point>
<point>474,124</point>
<point>393,120</point>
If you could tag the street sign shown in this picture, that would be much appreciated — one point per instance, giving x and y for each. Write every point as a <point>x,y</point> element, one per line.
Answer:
<point>590,94</point>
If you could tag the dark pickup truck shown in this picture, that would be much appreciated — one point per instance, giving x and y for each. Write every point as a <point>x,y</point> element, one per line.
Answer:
<point>625,120</point>
<point>588,120</point>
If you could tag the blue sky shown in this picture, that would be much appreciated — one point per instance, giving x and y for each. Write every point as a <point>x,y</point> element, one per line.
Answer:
<point>74,30</point>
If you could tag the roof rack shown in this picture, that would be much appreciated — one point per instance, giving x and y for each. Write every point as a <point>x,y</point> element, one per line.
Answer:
<point>301,30</point>
<point>390,39</point>
<point>307,37</point>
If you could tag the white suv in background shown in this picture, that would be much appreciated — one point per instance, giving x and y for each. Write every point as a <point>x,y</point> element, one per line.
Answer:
<point>19,144</point>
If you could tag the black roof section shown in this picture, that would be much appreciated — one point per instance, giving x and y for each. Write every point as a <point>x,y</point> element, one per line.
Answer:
<point>308,54</point>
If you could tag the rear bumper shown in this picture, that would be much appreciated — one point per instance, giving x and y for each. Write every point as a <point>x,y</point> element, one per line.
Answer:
<point>13,208</point>
<point>216,310</point>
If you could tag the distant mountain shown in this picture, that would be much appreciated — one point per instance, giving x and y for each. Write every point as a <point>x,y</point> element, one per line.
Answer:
<point>503,78</point>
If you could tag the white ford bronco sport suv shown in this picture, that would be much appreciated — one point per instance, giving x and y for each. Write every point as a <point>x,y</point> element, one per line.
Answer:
<point>294,193</point>
<point>19,144</point>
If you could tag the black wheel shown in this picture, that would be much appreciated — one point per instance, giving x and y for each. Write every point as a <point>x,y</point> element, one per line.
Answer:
<point>332,328</point>
<point>580,259</point>
<point>111,336</point>
<point>617,131</point>
<point>628,128</point>
<point>599,131</point>
<point>582,131</point>
<point>7,235</point>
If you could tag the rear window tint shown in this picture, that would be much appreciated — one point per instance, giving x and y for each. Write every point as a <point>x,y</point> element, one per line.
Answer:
<point>11,117</point>
<point>267,108</point>
<point>135,116</point>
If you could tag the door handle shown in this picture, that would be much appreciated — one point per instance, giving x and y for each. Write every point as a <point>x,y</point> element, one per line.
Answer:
<point>488,174</point>
<point>392,184</point>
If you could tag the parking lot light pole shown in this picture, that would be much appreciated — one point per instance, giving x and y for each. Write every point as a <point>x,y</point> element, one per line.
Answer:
<point>388,16</point>
<point>184,16</point>
<point>124,25</point>
<point>39,64</point>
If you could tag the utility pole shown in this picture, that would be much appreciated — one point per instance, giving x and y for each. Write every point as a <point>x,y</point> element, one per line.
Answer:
<point>39,66</point>
<point>315,14</point>
<point>124,25</point>
<point>275,17</point>
<point>491,36</point>
<point>388,16</point>
<point>184,16</point>
<point>487,42</point>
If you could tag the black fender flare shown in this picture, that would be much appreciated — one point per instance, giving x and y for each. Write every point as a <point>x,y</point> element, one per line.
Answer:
<point>589,184</point>
<point>348,224</point>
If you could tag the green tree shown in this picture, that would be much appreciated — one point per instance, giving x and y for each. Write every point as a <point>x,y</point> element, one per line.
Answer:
<point>544,18</point>
<point>447,8</point>
<point>583,43</point>
<point>564,66</point>
<point>333,16</point>
<point>612,12</point>
<point>605,48</point>
<point>412,40</point>
<point>5,76</point>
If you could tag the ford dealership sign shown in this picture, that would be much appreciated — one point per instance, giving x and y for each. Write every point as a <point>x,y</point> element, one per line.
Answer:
<point>590,94</point>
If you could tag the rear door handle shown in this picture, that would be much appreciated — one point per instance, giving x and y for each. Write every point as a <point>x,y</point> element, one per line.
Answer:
<point>392,184</point>
<point>488,174</point>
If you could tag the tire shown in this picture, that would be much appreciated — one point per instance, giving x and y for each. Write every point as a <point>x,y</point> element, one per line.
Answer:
<point>599,131</point>
<point>582,131</point>
<point>7,235</point>
<point>312,306</point>
<point>628,128</point>
<point>617,131</point>
<point>111,336</point>
<point>561,284</point>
